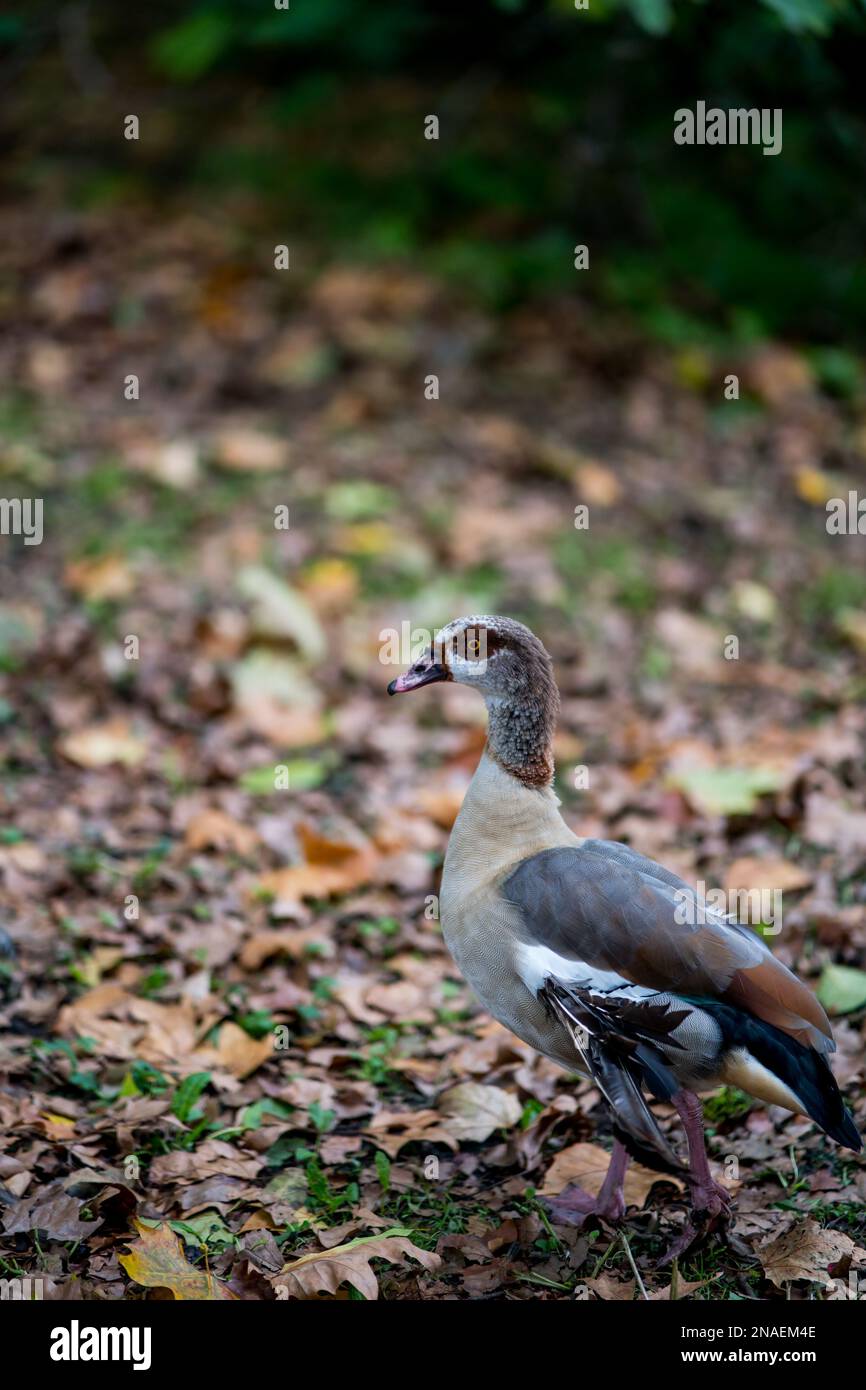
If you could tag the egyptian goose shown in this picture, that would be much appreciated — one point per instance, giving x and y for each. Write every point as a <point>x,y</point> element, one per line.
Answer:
<point>583,948</point>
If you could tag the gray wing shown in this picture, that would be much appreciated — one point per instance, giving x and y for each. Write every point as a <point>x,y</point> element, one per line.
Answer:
<point>603,904</point>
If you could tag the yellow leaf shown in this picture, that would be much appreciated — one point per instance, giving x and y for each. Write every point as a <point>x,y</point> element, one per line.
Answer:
<point>814,486</point>
<point>157,1261</point>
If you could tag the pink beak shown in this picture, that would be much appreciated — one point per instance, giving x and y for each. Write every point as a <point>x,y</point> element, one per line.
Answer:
<point>422,672</point>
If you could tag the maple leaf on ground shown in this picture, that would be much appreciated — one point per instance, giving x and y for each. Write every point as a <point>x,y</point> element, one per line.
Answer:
<point>806,1251</point>
<point>325,1270</point>
<point>157,1261</point>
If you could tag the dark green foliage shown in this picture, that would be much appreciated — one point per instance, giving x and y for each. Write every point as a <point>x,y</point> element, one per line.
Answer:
<point>556,129</point>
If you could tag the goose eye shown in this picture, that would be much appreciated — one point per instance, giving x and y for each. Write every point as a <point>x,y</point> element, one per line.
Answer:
<point>473,646</point>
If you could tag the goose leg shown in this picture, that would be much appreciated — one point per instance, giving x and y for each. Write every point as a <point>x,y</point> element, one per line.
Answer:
<point>707,1195</point>
<point>711,1203</point>
<point>574,1204</point>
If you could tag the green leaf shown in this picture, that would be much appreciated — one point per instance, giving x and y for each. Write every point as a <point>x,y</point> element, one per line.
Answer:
<point>803,16</point>
<point>142,1079</point>
<point>303,774</point>
<point>653,15</point>
<point>726,791</point>
<point>192,47</point>
<point>383,1169</point>
<point>842,989</point>
<point>253,1116</point>
<point>186,1095</point>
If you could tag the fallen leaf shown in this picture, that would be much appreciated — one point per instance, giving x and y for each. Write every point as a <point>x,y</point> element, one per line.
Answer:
<point>243,449</point>
<point>442,805</point>
<point>157,1261</point>
<point>683,1289</point>
<point>474,1111</point>
<point>815,487</point>
<point>766,875</point>
<point>806,1251</point>
<point>214,829</point>
<point>107,577</point>
<point>294,942</point>
<point>279,611</point>
<point>57,1215</point>
<point>100,745</point>
<point>323,1271</point>
<point>597,485</point>
<point>842,989</point>
<point>726,791</point>
<point>610,1289</point>
<point>332,867</point>
<point>392,1130</point>
<point>833,823</point>
<point>586,1165</point>
<point>695,646</point>
<point>236,1052</point>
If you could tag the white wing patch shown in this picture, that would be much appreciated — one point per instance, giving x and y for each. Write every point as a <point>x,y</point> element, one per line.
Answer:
<point>536,964</point>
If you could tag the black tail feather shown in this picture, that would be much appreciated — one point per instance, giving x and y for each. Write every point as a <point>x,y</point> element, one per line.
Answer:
<point>803,1069</point>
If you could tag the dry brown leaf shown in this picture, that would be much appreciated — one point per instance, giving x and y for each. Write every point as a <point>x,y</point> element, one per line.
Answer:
<point>806,1251</point>
<point>597,485</point>
<point>236,1052</point>
<point>392,1129</point>
<point>332,867</point>
<point>215,829</point>
<point>610,1289</point>
<point>587,1165</point>
<point>474,1112</point>
<point>684,1289</point>
<point>293,942</point>
<point>157,1261</point>
<point>777,373</point>
<point>107,577</point>
<point>323,1271</point>
<point>100,745</point>
<point>767,875</point>
<point>694,645</point>
<point>441,806</point>
<point>832,822</point>
<point>243,449</point>
<point>54,1212</point>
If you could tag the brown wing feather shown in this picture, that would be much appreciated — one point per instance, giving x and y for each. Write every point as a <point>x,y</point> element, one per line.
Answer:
<point>772,993</point>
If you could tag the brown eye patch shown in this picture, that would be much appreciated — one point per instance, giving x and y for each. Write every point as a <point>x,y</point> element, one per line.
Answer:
<point>479,643</point>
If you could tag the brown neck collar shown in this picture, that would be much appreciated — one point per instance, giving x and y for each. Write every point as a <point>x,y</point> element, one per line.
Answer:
<point>520,734</point>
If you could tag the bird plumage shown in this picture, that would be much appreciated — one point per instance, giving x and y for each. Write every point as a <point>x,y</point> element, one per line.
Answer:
<point>597,956</point>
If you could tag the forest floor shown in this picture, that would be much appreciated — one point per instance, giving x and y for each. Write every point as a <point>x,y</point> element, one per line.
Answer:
<point>232,1037</point>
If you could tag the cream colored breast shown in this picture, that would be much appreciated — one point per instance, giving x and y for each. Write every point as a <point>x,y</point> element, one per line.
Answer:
<point>500,823</point>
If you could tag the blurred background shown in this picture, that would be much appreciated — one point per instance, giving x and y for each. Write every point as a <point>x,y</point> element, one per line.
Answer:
<point>166,900</point>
